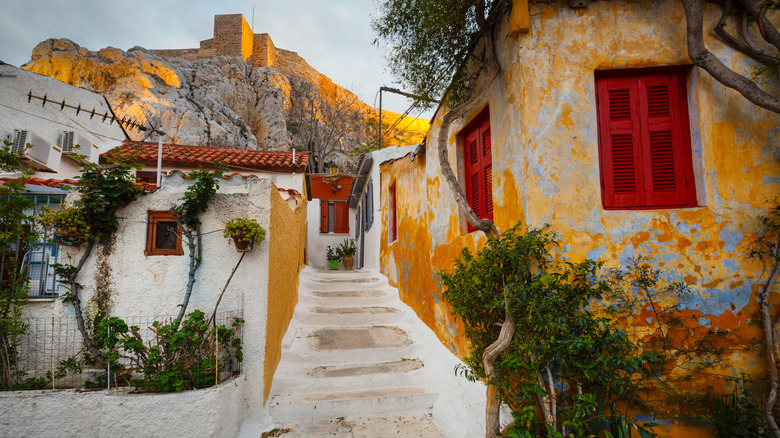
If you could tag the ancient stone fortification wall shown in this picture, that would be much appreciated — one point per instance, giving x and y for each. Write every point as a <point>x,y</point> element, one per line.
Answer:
<point>264,50</point>
<point>232,36</point>
<point>188,54</point>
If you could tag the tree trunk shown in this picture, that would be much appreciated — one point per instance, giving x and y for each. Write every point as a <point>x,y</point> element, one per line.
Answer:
<point>770,341</point>
<point>703,58</point>
<point>491,69</point>
<point>195,261</point>
<point>489,357</point>
<point>74,296</point>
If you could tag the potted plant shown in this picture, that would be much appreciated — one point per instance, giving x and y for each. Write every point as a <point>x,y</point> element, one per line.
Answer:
<point>347,249</point>
<point>244,232</point>
<point>67,226</point>
<point>333,257</point>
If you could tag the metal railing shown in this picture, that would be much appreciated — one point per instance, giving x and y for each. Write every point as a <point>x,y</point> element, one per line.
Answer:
<point>50,343</point>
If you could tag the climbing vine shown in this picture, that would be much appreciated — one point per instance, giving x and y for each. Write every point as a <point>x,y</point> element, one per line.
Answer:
<point>103,189</point>
<point>195,201</point>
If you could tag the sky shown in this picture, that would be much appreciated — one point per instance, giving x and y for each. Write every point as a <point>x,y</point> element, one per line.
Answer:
<point>334,36</point>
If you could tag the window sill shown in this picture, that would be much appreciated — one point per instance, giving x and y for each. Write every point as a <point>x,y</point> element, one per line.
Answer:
<point>41,299</point>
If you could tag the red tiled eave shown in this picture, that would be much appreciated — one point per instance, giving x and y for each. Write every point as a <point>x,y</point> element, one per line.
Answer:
<point>193,156</point>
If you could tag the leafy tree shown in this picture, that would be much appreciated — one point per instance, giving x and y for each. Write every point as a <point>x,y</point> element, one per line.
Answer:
<point>560,341</point>
<point>327,121</point>
<point>16,231</point>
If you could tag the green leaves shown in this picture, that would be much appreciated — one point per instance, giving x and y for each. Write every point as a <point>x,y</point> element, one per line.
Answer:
<point>177,358</point>
<point>427,41</point>
<point>197,197</point>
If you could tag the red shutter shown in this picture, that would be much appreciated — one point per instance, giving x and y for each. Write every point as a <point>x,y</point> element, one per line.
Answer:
<point>478,167</point>
<point>664,155</point>
<point>486,167</point>
<point>644,142</point>
<point>621,153</point>
<point>323,216</point>
<point>340,217</point>
<point>394,212</point>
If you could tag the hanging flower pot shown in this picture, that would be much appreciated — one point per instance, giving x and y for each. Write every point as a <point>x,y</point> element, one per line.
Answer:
<point>244,233</point>
<point>67,226</point>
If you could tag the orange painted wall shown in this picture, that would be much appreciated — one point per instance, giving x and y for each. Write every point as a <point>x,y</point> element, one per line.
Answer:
<point>285,246</point>
<point>546,171</point>
<point>322,187</point>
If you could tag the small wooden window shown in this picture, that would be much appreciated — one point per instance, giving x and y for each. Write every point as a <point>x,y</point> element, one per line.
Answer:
<point>163,235</point>
<point>644,140</point>
<point>393,214</point>
<point>334,217</point>
<point>478,166</point>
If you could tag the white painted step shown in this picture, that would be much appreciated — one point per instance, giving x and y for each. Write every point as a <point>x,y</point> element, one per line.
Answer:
<point>365,403</point>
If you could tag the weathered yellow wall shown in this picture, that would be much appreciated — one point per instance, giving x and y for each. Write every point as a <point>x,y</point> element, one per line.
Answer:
<point>285,247</point>
<point>546,169</point>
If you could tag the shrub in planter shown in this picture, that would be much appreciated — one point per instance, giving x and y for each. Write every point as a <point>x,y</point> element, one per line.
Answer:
<point>244,232</point>
<point>333,255</point>
<point>347,250</point>
<point>67,225</point>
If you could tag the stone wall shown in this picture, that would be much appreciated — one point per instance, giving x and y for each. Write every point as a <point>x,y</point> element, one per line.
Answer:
<point>232,36</point>
<point>264,50</point>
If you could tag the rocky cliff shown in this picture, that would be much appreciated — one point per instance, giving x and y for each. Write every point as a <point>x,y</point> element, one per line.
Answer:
<point>218,101</point>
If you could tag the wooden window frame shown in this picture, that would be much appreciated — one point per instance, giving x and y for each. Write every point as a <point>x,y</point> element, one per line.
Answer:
<point>645,153</point>
<point>478,166</point>
<point>151,233</point>
<point>340,216</point>
<point>394,212</point>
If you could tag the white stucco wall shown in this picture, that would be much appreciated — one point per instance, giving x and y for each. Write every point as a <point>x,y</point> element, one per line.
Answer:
<point>282,180</point>
<point>49,122</point>
<point>153,286</point>
<point>213,412</point>
<point>373,236</point>
<point>318,242</point>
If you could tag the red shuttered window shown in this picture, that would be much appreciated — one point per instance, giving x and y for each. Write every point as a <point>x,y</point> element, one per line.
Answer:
<point>478,167</point>
<point>334,217</point>
<point>644,140</point>
<point>393,222</point>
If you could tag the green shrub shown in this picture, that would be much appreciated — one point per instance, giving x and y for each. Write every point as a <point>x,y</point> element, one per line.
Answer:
<point>182,357</point>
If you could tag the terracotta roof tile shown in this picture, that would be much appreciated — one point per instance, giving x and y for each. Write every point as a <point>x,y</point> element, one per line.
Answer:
<point>237,159</point>
<point>59,183</point>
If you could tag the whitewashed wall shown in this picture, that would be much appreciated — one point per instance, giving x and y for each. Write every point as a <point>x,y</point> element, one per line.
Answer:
<point>317,245</point>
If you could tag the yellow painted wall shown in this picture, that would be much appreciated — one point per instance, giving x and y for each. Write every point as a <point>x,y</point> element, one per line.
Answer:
<point>546,170</point>
<point>285,247</point>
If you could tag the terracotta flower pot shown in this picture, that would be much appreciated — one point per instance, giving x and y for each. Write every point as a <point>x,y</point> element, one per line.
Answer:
<point>348,261</point>
<point>243,245</point>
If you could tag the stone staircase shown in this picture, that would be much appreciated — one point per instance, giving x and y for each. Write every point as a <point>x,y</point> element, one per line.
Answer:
<point>349,367</point>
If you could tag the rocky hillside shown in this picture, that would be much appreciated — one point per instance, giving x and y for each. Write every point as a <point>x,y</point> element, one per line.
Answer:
<point>219,101</point>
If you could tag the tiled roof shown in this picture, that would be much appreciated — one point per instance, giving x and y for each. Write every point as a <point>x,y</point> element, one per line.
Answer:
<point>55,183</point>
<point>65,183</point>
<point>191,156</point>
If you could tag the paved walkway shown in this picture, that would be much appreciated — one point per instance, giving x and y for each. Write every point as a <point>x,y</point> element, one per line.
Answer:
<point>349,367</point>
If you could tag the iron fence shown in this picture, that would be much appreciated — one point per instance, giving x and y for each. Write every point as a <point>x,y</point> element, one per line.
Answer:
<point>52,355</point>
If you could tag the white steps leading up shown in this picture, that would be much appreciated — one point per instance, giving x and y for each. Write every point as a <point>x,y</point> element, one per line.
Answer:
<point>350,365</point>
